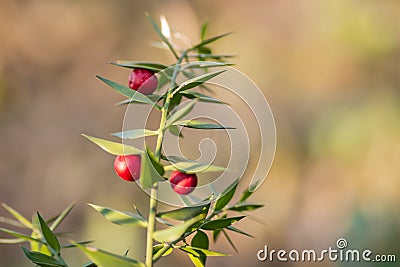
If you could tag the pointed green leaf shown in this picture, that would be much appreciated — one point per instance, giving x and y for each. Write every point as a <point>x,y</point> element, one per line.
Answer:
<point>61,217</point>
<point>153,97</point>
<point>105,259</point>
<point>226,196</point>
<point>11,240</point>
<point>89,264</point>
<point>194,167</point>
<point>11,222</point>
<point>229,240</point>
<point>200,240</point>
<point>113,147</point>
<point>134,134</point>
<point>19,235</point>
<point>128,92</point>
<point>163,38</point>
<point>80,243</point>
<point>157,250</point>
<point>248,192</point>
<point>216,234</point>
<point>197,261</point>
<point>210,40</point>
<point>196,81</point>
<point>203,30</point>
<point>197,251</point>
<point>174,130</point>
<point>155,67</point>
<point>48,235</point>
<point>151,170</point>
<point>195,124</point>
<point>41,259</point>
<point>18,216</point>
<point>220,223</point>
<point>185,213</point>
<point>201,97</point>
<point>120,217</point>
<point>204,56</point>
<point>179,114</point>
<point>234,229</point>
<point>245,207</point>
<point>172,233</point>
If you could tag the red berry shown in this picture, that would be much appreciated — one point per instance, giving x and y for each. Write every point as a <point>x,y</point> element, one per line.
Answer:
<point>183,183</point>
<point>128,167</point>
<point>143,81</point>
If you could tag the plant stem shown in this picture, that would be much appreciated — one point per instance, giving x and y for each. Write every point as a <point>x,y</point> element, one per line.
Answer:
<point>151,225</point>
<point>154,189</point>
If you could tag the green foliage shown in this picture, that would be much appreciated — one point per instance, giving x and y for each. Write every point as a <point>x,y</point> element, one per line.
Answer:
<point>185,229</point>
<point>113,147</point>
<point>104,258</point>
<point>120,217</point>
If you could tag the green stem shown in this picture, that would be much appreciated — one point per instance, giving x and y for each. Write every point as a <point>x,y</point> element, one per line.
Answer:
<point>154,190</point>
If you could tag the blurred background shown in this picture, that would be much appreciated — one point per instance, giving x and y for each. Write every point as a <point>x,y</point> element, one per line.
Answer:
<point>329,69</point>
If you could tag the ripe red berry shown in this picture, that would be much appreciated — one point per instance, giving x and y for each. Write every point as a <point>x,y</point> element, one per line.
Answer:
<point>143,81</point>
<point>128,167</point>
<point>183,183</point>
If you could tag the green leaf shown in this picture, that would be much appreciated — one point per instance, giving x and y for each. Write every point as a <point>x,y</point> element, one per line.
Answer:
<point>11,240</point>
<point>134,134</point>
<point>175,101</point>
<point>196,81</point>
<point>11,222</point>
<point>245,207</point>
<point>179,114</point>
<point>61,217</point>
<point>196,251</point>
<point>80,243</point>
<point>183,214</point>
<point>18,216</point>
<point>151,170</point>
<point>163,38</point>
<point>174,130</point>
<point>128,92</point>
<point>158,247</point>
<point>172,233</point>
<point>155,67</point>
<point>89,264</point>
<point>201,97</point>
<point>229,240</point>
<point>107,259</point>
<point>203,30</point>
<point>153,97</point>
<point>200,240</point>
<point>195,124</point>
<point>19,235</point>
<point>120,217</point>
<point>216,234</point>
<point>226,196</point>
<point>194,167</point>
<point>41,259</point>
<point>211,56</point>
<point>113,147</point>
<point>196,260</point>
<point>210,40</point>
<point>48,235</point>
<point>248,192</point>
<point>234,229</point>
<point>220,223</point>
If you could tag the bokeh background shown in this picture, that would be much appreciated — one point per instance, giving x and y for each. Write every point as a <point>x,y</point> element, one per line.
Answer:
<point>329,69</point>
